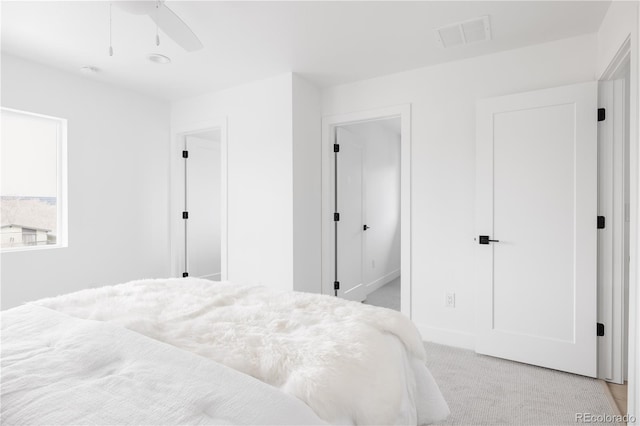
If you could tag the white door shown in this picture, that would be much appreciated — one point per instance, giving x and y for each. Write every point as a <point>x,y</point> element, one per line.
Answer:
<point>203,243</point>
<point>349,188</point>
<point>536,176</point>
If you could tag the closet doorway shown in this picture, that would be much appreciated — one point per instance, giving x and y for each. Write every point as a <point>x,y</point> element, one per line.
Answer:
<point>366,204</point>
<point>202,176</point>
<point>200,204</point>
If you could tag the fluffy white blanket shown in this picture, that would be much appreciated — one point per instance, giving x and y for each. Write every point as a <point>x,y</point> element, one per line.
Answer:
<point>351,363</point>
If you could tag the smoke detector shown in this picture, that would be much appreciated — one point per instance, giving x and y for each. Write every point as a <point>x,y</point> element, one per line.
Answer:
<point>465,32</point>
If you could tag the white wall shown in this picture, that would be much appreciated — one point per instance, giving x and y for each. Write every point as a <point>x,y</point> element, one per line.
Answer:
<point>269,123</point>
<point>633,401</point>
<point>306,186</point>
<point>259,178</point>
<point>443,100</point>
<point>381,175</point>
<point>117,188</point>
<point>619,23</point>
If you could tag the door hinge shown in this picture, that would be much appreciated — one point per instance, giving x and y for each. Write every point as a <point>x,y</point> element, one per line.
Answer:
<point>484,239</point>
<point>336,147</point>
<point>336,217</point>
<point>336,285</point>
<point>601,114</point>
<point>599,329</point>
<point>185,274</point>
<point>185,154</point>
<point>601,222</point>
<point>185,215</point>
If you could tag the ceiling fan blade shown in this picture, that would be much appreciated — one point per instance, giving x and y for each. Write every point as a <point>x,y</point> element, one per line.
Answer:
<point>176,29</point>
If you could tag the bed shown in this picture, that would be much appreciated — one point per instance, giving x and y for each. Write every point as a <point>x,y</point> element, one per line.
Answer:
<point>349,363</point>
<point>59,370</point>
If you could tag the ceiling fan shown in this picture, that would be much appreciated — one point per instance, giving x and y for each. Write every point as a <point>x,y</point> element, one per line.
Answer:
<point>166,20</point>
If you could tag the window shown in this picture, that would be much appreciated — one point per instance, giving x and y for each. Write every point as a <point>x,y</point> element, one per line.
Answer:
<point>33,186</point>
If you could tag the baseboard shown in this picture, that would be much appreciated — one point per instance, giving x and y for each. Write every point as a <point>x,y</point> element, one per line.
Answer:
<point>385,279</point>
<point>610,398</point>
<point>212,277</point>
<point>443,336</point>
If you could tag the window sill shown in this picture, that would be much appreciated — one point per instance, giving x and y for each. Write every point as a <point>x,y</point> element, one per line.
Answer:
<point>32,248</point>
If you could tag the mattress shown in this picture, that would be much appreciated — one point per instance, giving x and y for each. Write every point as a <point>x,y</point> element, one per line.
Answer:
<point>351,363</point>
<point>59,370</point>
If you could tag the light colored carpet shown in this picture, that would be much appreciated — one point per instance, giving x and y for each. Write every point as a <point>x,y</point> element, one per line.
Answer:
<point>387,296</point>
<point>482,390</point>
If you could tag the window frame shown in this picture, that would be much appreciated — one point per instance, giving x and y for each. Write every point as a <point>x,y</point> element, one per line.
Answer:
<point>62,231</point>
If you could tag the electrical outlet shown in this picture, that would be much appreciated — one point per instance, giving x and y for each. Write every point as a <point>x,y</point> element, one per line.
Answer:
<point>450,300</point>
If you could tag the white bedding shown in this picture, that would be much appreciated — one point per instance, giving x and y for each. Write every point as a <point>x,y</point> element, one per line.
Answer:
<point>59,370</point>
<point>351,363</point>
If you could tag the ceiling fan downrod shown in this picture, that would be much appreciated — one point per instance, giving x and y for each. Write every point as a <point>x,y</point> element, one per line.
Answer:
<point>110,27</point>
<point>158,23</point>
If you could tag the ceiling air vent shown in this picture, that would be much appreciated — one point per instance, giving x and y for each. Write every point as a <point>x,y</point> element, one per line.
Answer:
<point>466,32</point>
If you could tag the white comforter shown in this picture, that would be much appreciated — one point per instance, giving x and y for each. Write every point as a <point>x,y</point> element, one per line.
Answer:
<point>351,363</point>
<point>59,370</point>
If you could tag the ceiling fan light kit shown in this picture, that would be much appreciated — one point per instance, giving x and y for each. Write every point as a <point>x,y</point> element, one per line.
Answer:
<point>158,58</point>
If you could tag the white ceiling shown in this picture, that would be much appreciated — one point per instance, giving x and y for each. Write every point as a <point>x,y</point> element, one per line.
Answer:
<point>327,42</point>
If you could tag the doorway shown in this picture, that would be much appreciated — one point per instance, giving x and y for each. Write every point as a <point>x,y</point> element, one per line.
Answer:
<point>366,237</point>
<point>199,202</point>
<point>202,203</point>
<point>367,188</point>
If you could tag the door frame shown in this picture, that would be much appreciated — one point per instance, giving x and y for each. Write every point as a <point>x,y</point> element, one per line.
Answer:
<point>611,307</point>
<point>329,124</point>
<point>630,47</point>
<point>176,184</point>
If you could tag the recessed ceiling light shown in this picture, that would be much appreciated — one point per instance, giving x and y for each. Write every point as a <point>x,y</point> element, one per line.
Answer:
<point>89,70</point>
<point>159,59</point>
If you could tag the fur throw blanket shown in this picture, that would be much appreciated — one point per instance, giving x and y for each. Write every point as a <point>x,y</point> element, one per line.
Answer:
<point>351,363</point>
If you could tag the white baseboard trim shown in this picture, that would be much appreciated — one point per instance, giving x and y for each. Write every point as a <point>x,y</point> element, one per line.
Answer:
<point>213,277</point>
<point>385,279</point>
<point>443,336</point>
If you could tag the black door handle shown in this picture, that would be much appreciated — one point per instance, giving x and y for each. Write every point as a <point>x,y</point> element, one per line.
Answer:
<point>365,227</point>
<point>484,239</point>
